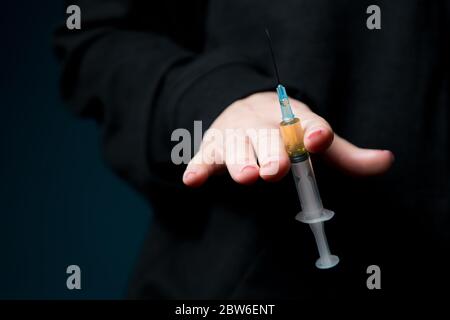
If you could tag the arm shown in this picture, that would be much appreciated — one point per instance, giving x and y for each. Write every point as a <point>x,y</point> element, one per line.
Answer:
<point>139,78</point>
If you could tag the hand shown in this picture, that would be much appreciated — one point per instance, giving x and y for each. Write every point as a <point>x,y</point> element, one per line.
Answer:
<point>246,160</point>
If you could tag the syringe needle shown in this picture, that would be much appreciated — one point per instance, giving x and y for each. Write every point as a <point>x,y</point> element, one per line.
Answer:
<point>275,67</point>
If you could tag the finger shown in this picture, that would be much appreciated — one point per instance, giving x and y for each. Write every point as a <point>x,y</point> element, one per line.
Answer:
<point>240,158</point>
<point>358,161</point>
<point>207,161</point>
<point>272,158</point>
<point>318,135</point>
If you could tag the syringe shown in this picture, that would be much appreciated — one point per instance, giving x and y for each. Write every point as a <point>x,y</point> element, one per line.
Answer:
<point>313,212</point>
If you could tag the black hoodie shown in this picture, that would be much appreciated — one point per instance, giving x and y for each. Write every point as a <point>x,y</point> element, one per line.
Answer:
<point>143,70</point>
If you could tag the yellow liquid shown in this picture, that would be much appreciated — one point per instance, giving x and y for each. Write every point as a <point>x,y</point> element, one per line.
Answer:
<point>292,134</point>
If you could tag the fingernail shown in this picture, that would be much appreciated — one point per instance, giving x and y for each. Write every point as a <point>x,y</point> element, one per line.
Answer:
<point>315,134</point>
<point>189,175</point>
<point>269,168</point>
<point>247,169</point>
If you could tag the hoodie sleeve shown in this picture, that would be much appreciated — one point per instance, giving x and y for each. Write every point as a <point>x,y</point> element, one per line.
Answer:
<point>127,69</point>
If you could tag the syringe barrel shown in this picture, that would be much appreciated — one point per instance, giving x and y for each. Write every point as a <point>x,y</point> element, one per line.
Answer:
<point>305,182</point>
<point>307,190</point>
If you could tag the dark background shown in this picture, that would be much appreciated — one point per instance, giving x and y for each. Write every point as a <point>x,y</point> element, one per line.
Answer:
<point>59,204</point>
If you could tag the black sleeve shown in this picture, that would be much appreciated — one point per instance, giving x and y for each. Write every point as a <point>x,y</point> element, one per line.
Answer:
<point>128,69</point>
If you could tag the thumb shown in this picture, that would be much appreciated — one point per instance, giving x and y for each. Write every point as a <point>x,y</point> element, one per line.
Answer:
<point>358,161</point>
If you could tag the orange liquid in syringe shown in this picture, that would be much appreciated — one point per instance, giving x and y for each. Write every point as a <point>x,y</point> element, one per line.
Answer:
<point>292,134</point>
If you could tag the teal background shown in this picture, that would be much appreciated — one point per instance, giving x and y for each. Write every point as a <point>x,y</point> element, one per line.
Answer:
<point>59,204</point>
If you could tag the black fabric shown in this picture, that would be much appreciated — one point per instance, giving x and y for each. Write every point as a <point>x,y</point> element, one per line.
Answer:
<point>142,70</point>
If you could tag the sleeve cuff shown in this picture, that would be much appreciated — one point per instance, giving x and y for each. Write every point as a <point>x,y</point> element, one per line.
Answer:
<point>216,90</point>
